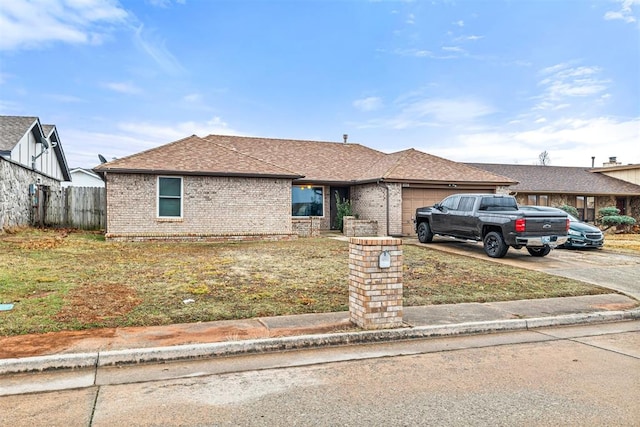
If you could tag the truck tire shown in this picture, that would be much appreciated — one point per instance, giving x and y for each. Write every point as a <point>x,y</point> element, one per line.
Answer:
<point>543,251</point>
<point>494,245</point>
<point>424,232</point>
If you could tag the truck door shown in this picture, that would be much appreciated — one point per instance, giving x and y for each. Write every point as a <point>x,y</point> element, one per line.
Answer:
<point>444,219</point>
<point>466,218</point>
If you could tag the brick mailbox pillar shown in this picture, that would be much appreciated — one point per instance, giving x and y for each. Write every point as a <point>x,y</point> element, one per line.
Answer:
<point>375,282</point>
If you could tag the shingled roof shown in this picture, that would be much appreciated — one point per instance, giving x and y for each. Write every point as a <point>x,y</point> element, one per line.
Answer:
<point>560,179</point>
<point>12,129</point>
<point>308,161</point>
<point>195,156</point>
<point>417,166</point>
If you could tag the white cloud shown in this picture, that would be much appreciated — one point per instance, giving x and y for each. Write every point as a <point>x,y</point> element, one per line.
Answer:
<point>415,112</point>
<point>371,103</point>
<point>569,142</point>
<point>411,19</point>
<point>456,49</point>
<point>167,133</point>
<point>192,98</point>
<point>625,13</point>
<point>564,81</point>
<point>459,23</point>
<point>29,24</point>
<point>123,87</point>
<point>132,137</point>
<point>148,42</point>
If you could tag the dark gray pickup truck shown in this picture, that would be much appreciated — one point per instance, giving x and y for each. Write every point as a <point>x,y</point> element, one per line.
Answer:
<point>494,220</point>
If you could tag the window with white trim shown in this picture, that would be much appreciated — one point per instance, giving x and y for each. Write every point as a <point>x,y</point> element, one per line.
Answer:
<point>169,197</point>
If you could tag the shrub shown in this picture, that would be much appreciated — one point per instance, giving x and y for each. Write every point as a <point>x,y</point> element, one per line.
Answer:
<point>343,208</point>
<point>610,217</point>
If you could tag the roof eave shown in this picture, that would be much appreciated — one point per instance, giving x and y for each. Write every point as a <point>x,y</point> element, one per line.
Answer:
<point>100,170</point>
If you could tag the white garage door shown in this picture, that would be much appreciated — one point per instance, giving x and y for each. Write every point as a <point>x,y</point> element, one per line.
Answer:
<point>414,198</point>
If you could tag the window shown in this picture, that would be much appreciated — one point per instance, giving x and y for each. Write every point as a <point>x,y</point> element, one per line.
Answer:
<point>169,197</point>
<point>451,202</point>
<point>591,209</point>
<point>497,203</point>
<point>538,200</point>
<point>307,201</point>
<point>466,204</point>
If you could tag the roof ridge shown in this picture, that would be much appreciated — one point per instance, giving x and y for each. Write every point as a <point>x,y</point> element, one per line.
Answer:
<point>291,140</point>
<point>148,150</point>
<point>402,154</point>
<point>249,155</point>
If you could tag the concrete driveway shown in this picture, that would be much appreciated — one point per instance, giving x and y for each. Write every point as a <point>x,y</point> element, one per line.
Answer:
<point>620,272</point>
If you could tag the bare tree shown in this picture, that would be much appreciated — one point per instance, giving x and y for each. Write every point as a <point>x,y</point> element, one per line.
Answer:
<point>544,159</point>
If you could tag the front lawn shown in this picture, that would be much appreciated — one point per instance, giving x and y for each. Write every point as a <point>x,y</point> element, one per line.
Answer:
<point>62,280</point>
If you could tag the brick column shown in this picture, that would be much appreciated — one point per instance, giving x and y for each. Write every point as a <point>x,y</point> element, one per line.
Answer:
<point>375,292</point>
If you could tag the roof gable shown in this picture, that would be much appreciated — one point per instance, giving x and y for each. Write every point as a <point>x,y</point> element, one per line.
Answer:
<point>195,156</point>
<point>414,165</point>
<point>13,128</point>
<point>560,179</point>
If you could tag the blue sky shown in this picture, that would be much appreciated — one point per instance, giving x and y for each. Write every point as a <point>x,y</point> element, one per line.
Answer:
<point>471,81</point>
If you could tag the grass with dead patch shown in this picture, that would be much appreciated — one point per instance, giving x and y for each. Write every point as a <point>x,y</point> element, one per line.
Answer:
<point>61,280</point>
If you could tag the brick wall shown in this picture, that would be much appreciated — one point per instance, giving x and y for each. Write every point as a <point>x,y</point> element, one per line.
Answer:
<point>306,227</point>
<point>370,202</point>
<point>212,206</point>
<point>375,293</point>
<point>352,227</point>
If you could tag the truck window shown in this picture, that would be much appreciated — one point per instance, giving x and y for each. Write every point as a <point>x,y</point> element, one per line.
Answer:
<point>466,204</point>
<point>498,204</point>
<point>451,203</point>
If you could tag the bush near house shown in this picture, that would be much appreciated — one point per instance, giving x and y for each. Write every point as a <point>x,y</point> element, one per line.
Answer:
<point>610,217</point>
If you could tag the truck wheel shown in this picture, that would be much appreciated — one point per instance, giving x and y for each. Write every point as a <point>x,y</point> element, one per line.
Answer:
<point>424,232</point>
<point>494,245</point>
<point>543,251</point>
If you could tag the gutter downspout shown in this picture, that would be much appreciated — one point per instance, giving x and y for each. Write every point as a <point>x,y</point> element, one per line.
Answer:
<point>386,187</point>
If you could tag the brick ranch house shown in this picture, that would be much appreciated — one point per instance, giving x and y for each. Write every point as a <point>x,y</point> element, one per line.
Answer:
<point>243,187</point>
<point>586,189</point>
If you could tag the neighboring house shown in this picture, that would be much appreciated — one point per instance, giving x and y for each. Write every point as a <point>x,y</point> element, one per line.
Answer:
<point>241,187</point>
<point>84,178</point>
<point>588,190</point>
<point>32,167</point>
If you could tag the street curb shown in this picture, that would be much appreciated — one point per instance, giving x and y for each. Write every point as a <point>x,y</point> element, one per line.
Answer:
<point>265,345</point>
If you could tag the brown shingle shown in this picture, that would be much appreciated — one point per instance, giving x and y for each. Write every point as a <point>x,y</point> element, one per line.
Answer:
<point>317,161</point>
<point>560,179</point>
<point>194,155</point>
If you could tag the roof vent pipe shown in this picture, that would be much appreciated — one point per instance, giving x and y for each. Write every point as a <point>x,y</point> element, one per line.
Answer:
<point>345,137</point>
<point>593,160</point>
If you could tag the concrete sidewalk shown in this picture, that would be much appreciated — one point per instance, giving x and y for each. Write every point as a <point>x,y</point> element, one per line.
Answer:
<point>121,346</point>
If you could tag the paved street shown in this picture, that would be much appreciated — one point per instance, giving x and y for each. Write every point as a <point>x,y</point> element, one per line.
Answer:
<point>581,375</point>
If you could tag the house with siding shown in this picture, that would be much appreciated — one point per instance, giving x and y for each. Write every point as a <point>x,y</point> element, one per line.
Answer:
<point>586,189</point>
<point>233,187</point>
<point>32,168</point>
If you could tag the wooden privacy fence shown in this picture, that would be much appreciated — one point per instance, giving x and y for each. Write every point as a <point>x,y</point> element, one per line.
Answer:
<point>77,207</point>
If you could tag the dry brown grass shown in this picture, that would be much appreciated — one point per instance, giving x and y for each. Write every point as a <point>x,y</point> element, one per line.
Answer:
<point>629,243</point>
<point>61,280</point>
